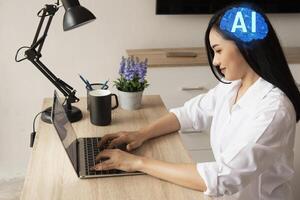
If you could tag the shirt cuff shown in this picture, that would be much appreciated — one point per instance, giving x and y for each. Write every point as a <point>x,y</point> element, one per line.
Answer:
<point>182,117</point>
<point>209,173</point>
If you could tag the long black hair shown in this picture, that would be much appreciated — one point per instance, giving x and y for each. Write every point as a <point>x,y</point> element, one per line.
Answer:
<point>264,56</point>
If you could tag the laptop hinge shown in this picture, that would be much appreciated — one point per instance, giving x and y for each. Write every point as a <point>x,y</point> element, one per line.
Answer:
<point>81,160</point>
<point>77,163</point>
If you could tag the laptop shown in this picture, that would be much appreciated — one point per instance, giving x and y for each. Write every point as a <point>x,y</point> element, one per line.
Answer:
<point>82,151</point>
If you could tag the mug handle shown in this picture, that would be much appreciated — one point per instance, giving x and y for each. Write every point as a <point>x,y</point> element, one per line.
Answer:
<point>117,102</point>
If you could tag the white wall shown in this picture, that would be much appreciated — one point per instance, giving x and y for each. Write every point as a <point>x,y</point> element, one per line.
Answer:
<point>93,50</point>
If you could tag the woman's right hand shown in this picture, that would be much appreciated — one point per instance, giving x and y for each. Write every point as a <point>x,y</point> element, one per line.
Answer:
<point>132,140</point>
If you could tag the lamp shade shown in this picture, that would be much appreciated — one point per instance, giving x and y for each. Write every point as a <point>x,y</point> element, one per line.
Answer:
<point>75,15</point>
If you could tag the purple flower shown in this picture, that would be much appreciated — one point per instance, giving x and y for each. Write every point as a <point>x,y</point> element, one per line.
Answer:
<point>122,65</point>
<point>141,80</point>
<point>129,73</point>
<point>131,68</point>
<point>141,70</point>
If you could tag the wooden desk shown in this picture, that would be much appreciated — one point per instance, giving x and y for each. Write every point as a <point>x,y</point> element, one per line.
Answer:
<point>50,174</point>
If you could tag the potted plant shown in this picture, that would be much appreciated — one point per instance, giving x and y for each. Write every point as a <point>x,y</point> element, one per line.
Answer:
<point>132,82</point>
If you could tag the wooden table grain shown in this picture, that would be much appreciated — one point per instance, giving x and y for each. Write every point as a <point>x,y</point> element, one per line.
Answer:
<point>50,174</point>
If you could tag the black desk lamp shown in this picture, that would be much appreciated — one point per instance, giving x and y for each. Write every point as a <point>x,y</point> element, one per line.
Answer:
<point>75,15</point>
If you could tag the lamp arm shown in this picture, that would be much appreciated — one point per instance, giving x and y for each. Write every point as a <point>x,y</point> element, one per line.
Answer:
<point>63,87</point>
<point>34,55</point>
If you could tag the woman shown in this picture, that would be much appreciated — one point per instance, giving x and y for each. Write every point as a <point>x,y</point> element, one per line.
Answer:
<point>252,116</point>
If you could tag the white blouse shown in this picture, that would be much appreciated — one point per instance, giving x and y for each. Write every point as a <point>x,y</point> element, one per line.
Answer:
<point>252,140</point>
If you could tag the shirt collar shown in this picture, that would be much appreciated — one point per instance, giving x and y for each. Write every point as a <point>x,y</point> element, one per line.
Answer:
<point>254,93</point>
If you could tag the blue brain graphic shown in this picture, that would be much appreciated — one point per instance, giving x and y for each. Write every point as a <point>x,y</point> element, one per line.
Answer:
<point>245,24</point>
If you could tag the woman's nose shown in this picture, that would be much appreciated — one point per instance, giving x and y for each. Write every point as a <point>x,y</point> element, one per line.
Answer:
<point>216,61</point>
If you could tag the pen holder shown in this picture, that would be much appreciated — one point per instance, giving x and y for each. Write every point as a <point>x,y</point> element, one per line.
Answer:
<point>95,86</point>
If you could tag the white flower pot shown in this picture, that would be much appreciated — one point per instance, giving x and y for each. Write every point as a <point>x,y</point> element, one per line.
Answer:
<point>130,100</point>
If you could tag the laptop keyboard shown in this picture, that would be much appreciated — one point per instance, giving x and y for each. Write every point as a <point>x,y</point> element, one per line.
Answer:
<point>91,151</point>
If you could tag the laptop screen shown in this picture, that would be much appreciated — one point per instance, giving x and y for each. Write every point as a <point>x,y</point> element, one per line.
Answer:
<point>65,130</point>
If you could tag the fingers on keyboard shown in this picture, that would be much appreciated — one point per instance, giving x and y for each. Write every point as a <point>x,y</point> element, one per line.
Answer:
<point>121,146</point>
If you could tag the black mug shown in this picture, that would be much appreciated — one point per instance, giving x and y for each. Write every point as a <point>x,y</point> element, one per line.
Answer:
<point>94,86</point>
<point>100,107</point>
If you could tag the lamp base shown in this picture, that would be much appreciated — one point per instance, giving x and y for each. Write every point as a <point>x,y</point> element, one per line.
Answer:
<point>74,115</point>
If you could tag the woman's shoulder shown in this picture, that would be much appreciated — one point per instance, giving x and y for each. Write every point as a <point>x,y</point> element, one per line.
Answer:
<point>279,111</point>
<point>278,103</point>
<point>278,96</point>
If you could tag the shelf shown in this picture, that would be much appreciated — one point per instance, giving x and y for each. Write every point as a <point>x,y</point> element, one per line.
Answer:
<point>176,57</point>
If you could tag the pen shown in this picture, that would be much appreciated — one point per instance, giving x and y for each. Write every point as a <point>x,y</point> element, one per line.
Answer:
<point>103,86</point>
<point>86,82</point>
<point>82,79</point>
<point>89,85</point>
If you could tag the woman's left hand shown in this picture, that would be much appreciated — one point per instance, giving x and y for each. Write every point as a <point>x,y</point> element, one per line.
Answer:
<point>117,159</point>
